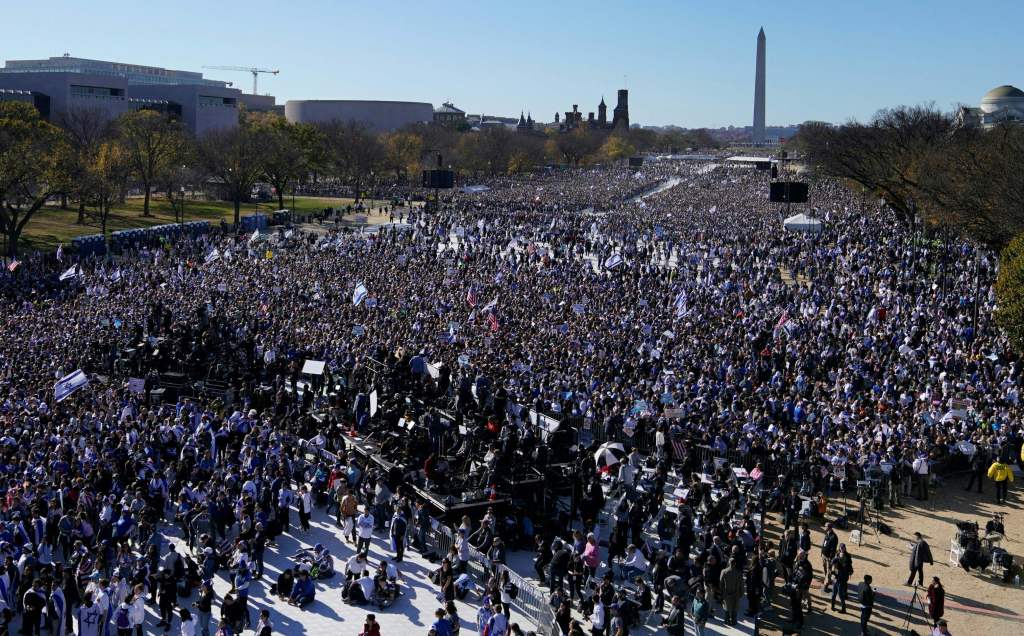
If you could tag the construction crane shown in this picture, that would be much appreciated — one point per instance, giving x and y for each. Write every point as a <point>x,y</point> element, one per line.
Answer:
<point>248,69</point>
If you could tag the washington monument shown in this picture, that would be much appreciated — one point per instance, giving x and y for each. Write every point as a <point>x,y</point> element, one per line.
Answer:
<point>759,90</point>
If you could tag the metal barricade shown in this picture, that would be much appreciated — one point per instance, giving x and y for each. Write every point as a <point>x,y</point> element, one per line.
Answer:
<point>531,602</point>
<point>440,539</point>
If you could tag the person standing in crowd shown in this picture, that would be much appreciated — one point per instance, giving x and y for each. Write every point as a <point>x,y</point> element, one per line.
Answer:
<point>188,624</point>
<point>922,475</point>
<point>204,607</point>
<point>942,628</point>
<point>305,507</point>
<point>90,617</point>
<point>936,601</point>
<point>867,604</point>
<point>598,618</point>
<point>920,555</point>
<point>33,604</point>
<point>731,586</point>
<point>441,626</point>
<point>364,528</point>
<point>979,461</point>
<point>829,545</point>
<point>842,570</point>
<point>1002,475</point>
<point>804,575</point>
<point>498,624</point>
<point>700,610</point>
<point>398,528</point>
<point>284,503</point>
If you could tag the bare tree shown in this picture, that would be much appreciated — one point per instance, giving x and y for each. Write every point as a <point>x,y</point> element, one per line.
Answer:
<point>352,153</point>
<point>234,157</point>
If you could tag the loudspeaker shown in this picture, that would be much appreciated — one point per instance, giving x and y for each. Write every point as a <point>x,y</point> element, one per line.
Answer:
<point>438,179</point>
<point>788,192</point>
<point>636,162</point>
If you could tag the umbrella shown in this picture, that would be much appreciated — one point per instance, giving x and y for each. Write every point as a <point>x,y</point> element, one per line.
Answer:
<point>609,454</point>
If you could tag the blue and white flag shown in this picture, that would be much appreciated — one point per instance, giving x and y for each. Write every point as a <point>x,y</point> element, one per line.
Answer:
<point>360,293</point>
<point>491,305</point>
<point>680,303</point>
<point>71,272</point>
<point>613,261</point>
<point>212,256</point>
<point>69,384</point>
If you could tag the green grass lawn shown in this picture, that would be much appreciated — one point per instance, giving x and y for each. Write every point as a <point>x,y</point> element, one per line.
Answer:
<point>53,226</point>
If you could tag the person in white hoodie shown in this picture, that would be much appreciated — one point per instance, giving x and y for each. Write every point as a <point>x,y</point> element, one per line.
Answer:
<point>138,608</point>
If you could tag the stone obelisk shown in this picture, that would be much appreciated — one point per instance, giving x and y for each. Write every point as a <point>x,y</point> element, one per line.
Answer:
<point>759,90</point>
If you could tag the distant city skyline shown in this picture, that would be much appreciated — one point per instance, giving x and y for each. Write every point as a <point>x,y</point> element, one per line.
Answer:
<point>685,64</point>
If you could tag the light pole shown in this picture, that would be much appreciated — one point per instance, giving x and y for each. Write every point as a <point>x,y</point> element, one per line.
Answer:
<point>181,210</point>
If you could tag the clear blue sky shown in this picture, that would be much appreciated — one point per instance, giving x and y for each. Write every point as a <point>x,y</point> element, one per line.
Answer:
<point>689,63</point>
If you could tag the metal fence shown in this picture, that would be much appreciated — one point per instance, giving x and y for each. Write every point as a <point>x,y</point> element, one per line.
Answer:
<point>530,601</point>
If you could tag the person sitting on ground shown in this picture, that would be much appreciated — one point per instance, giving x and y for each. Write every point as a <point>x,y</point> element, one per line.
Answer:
<point>303,592</point>
<point>320,561</point>
<point>285,582</point>
<point>634,564</point>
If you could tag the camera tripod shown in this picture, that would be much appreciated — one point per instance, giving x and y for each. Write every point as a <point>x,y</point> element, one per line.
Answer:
<point>871,517</point>
<point>915,600</point>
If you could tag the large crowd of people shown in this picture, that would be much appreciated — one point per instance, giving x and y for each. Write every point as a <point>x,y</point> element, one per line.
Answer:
<point>688,317</point>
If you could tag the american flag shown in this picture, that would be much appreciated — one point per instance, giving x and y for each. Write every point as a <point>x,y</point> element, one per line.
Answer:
<point>492,320</point>
<point>13,265</point>
<point>783,319</point>
<point>471,297</point>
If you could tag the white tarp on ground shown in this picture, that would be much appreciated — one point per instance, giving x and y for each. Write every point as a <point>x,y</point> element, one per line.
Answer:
<point>802,223</point>
<point>475,189</point>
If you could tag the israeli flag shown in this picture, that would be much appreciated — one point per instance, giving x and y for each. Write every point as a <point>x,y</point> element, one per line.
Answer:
<point>212,256</point>
<point>71,272</point>
<point>491,305</point>
<point>613,261</point>
<point>255,236</point>
<point>69,384</point>
<point>359,295</point>
<point>680,303</point>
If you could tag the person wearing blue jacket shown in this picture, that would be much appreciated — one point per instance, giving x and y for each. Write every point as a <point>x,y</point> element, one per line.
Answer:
<point>304,592</point>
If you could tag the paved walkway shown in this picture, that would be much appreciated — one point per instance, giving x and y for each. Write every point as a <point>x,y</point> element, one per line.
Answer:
<point>411,615</point>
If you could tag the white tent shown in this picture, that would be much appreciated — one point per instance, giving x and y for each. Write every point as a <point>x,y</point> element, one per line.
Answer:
<point>802,223</point>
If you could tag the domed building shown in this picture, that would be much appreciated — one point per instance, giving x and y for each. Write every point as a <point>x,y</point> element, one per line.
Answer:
<point>1002,104</point>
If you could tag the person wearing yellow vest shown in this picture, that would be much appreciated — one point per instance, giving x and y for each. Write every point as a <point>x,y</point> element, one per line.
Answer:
<point>1002,474</point>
